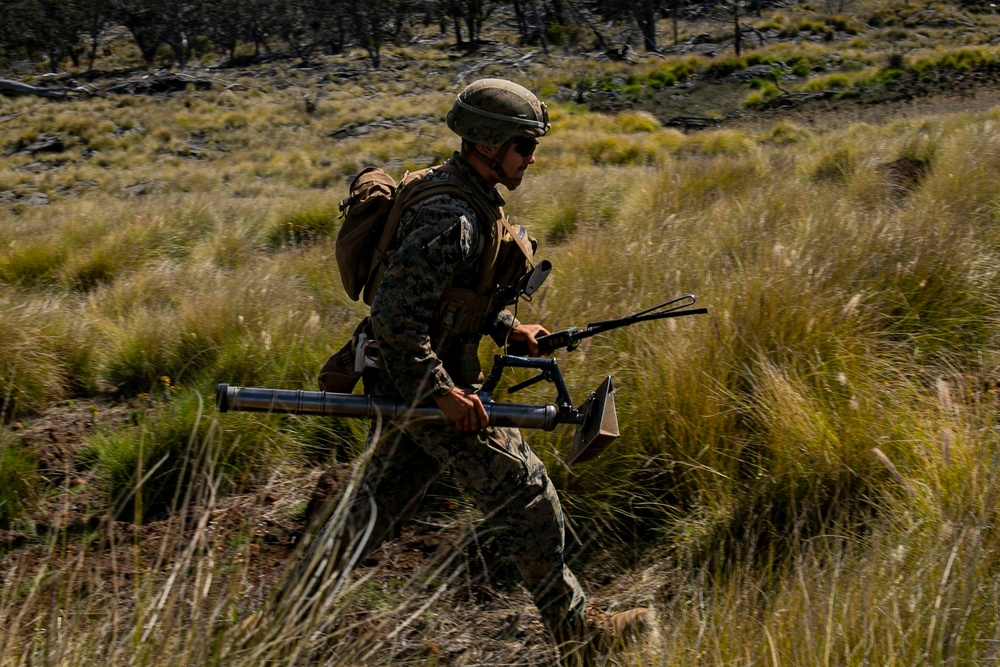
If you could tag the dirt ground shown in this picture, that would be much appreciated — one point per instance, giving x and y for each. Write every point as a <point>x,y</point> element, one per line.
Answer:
<point>483,619</point>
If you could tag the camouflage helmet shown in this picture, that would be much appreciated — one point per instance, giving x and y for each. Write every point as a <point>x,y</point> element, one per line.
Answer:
<point>491,111</point>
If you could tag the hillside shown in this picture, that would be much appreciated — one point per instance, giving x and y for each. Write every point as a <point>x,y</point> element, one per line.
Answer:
<point>805,476</point>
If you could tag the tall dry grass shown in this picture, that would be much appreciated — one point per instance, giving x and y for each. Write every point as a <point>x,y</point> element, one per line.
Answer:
<point>805,476</point>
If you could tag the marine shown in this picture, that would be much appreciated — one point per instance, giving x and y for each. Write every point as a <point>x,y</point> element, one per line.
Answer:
<point>433,300</point>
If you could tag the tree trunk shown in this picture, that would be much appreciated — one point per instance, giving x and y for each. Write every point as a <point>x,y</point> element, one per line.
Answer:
<point>92,53</point>
<point>539,28</point>
<point>470,24</point>
<point>736,27</point>
<point>522,23</point>
<point>646,18</point>
<point>558,12</point>
<point>675,10</point>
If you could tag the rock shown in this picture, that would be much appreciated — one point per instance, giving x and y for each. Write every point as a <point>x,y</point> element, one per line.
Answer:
<point>143,188</point>
<point>47,143</point>
<point>126,131</point>
<point>36,199</point>
<point>753,72</point>
<point>38,167</point>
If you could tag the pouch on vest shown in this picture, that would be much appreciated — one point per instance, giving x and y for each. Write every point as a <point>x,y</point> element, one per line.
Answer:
<point>514,261</point>
<point>338,373</point>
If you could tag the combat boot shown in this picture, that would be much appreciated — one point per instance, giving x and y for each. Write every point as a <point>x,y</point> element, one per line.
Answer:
<point>603,635</point>
<point>613,633</point>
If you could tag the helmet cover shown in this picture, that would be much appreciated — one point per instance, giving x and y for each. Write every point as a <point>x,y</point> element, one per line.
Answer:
<point>492,111</point>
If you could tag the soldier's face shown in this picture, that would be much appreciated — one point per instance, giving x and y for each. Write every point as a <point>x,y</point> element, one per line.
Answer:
<point>514,161</point>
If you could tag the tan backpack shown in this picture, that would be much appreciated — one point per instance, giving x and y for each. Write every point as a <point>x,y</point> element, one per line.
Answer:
<point>372,210</point>
<point>365,211</point>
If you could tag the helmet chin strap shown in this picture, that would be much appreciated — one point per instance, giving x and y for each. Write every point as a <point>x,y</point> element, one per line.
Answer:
<point>495,164</point>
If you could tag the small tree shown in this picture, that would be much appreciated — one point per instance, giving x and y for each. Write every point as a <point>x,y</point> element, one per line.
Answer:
<point>372,21</point>
<point>645,13</point>
<point>224,23</point>
<point>49,26</point>
<point>148,23</point>
<point>731,12</point>
<point>95,17</point>
<point>187,21</point>
<point>262,20</point>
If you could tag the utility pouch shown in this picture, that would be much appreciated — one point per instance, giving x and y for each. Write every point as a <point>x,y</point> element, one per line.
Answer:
<point>338,373</point>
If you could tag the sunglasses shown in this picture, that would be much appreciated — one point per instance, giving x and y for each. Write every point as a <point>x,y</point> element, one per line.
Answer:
<point>525,146</point>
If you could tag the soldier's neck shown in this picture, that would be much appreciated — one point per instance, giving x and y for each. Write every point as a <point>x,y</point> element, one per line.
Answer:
<point>479,164</point>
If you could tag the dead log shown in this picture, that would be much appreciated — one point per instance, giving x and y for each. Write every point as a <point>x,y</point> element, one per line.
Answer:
<point>158,83</point>
<point>620,54</point>
<point>18,89</point>
<point>692,122</point>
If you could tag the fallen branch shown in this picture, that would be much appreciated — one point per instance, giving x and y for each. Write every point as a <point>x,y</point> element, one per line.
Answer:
<point>18,89</point>
<point>692,121</point>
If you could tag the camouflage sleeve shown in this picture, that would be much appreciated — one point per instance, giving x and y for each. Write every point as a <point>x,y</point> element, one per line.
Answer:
<point>501,326</point>
<point>443,240</point>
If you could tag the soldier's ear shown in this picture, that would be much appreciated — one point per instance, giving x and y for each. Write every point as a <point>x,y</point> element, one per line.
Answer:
<point>486,150</point>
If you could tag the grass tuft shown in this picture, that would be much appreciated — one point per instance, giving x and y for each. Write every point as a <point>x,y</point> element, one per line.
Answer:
<point>20,485</point>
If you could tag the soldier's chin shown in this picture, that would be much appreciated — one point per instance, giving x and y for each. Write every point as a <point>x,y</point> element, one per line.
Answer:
<point>511,182</point>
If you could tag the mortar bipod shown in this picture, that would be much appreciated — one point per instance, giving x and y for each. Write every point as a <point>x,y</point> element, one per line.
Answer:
<point>596,418</point>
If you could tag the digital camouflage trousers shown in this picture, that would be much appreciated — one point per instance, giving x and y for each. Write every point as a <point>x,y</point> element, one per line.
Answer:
<point>509,485</point>
<point>497,469</point>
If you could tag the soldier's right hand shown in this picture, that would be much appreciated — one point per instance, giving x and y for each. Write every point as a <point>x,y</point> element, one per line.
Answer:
<point>464,408</point>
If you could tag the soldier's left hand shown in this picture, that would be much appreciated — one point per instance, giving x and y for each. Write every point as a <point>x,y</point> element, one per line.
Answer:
<point>527,335</point>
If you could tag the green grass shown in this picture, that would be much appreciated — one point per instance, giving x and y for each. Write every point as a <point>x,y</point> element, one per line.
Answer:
<point>20,486</point>
<point>149,470</point>
<point>805,476</point>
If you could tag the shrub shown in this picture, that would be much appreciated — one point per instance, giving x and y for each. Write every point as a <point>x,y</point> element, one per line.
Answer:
<point>661,78</point>
<point>721,68</point>
<point>31,262</point>
<point>304,227</point>
<point>637,121</point>
<point>836,164</point>
<point>786,133</point>
<point>141,348</point>
<point>563,35</point>
<point>562,226</point>
<point>720,142</point>
<point>19,481</point>
<point>828,82</point>
<point>842,24</point>
<point>616,151</point>
<point>31,373</point>
<point>965,60</point>
<point>800,67</point>
<point>896,61</point>
<point>890,75</point>
<point>759,59</point>
<point>765,90</point>
<point>146,470</point>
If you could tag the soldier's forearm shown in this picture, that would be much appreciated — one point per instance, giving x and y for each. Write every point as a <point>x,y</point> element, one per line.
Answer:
<point>502,325</point>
